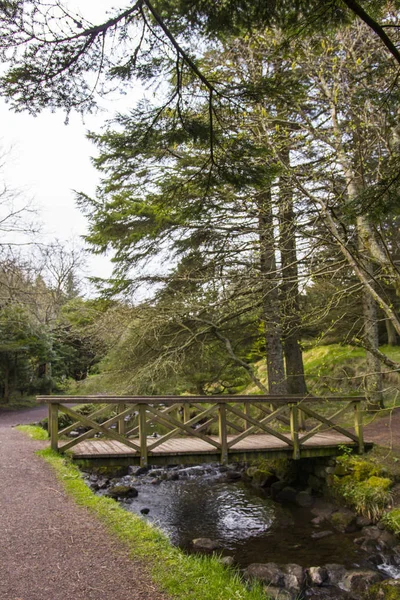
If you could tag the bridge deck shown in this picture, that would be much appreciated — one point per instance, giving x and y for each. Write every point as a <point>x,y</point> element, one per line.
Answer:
<point>194,450</point>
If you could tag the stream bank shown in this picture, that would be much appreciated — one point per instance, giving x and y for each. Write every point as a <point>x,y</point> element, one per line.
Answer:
<point>274,530</point>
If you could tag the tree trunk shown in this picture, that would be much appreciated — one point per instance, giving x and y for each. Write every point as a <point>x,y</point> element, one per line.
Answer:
<point>270,291</point>
<point>373,377</point>
<point>296,383</point>
<point>391,333</point>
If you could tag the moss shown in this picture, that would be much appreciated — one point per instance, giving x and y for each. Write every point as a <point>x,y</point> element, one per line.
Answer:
<point>360,483</point>
<point>261,477</point>
<point>385,590</point>
<point>363,469</point>
<point>281,467</point>
<point>391,520</point>
<point>381,483</point>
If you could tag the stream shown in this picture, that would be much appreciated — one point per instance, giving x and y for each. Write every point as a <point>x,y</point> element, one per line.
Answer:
<point>246,523</point>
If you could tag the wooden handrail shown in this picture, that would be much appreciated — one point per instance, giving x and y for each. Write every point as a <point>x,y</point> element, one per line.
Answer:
<point>254,416</point>
<point>193,399</point>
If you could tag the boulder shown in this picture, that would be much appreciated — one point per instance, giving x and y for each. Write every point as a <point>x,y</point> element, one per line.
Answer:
<point>138,471</point>
<point>363,521</point>
<point>277,487</point>
<point>276,593</point>
<point>322,509</point>
<point>205,544</point>
<point>122,491</point>
<point>359,580</point>
<point>288,494</point>
<point>293,578</point>
<point>317,575</point>
<point>233,476</point>
<point>325,593</point>
<point>268,573</point>
<point>344,520</point>
<point>335,573</point>
<point>227,561</point>
<point>383,539</point>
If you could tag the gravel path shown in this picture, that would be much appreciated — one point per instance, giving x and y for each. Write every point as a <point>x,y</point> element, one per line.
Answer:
<point>51,549</point>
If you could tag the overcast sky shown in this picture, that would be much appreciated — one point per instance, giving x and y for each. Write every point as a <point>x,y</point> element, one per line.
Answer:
<point>48,159</point>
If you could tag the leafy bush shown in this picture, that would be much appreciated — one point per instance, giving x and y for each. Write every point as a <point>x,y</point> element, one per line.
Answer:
<point>391,520</point>
<point>363,486</point>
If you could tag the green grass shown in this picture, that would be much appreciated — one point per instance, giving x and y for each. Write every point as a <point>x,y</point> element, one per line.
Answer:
<point>35,432</point>
<point>182,576</point>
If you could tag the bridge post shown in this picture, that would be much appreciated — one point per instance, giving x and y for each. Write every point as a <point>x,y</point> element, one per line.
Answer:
<point>247,413</point>
<point>223,432</point>
<point>186,412</point>
<point>53,426</point>
<point>121,422</point>
<point>142,435</point>
<point>358,426</point>
<point>294,430</point>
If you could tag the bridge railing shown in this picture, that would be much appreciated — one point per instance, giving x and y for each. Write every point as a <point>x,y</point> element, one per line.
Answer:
<point>221,422</point>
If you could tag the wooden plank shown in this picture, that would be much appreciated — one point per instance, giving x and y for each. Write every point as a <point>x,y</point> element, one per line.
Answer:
<point>181,447</point>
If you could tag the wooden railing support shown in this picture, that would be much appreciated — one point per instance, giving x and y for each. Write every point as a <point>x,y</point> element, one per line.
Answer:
<point>121,422</point>
<point>358,426</point>
<point>186,412</point>
<point>301,418</point>
<point>223,437</point>
<point>294,430</point>
<point>142,435</point>
<point>53,426</point>
<point>247,413</point>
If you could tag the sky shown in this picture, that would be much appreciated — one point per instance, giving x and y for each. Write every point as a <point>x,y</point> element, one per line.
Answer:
<point>46,160</point>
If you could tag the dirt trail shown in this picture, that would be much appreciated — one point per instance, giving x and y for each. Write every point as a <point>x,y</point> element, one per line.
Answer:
<point>50,548</point>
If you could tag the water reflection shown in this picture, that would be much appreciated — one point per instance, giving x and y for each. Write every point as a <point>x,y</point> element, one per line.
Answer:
<point>248,525</point>
<point>202,508</point>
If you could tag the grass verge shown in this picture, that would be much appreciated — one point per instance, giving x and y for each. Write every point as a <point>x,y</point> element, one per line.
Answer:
<point>34,432</point>
<point>182,576</point>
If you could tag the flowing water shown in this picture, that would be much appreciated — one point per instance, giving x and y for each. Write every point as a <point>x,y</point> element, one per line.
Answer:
<point>247,524</point>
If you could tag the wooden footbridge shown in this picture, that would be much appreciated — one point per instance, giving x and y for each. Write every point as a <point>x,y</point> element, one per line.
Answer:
<point>121,430</point>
